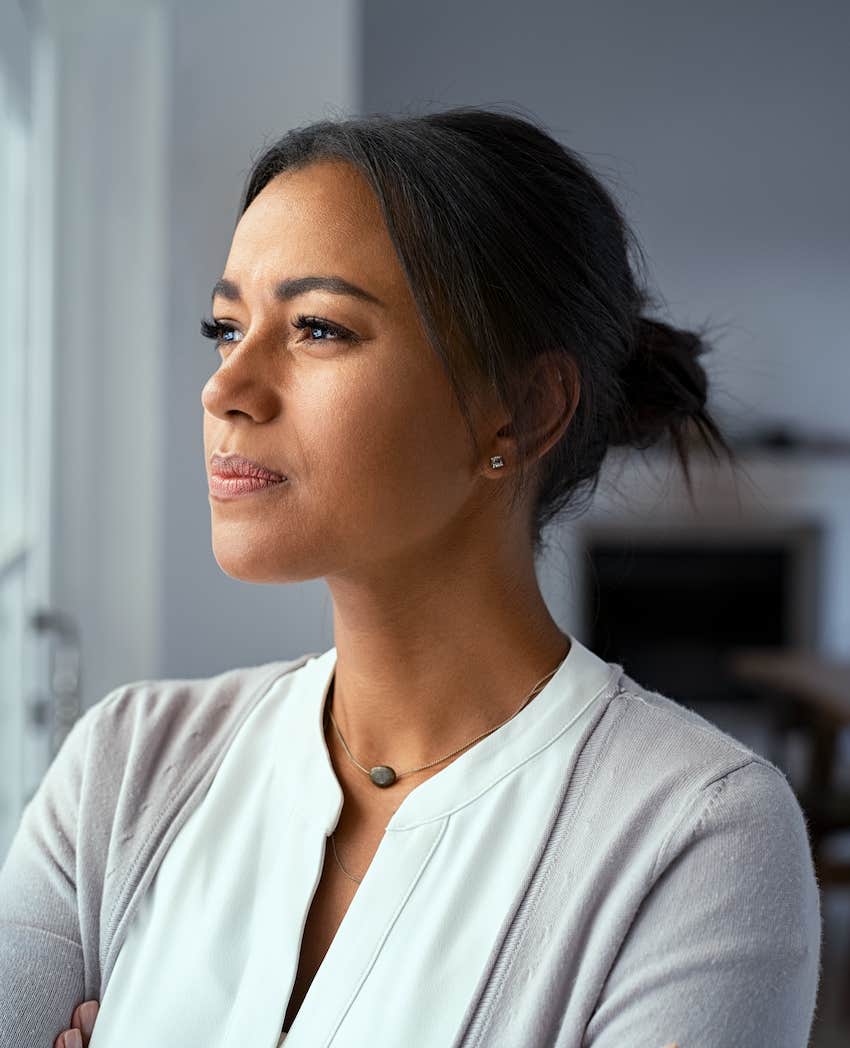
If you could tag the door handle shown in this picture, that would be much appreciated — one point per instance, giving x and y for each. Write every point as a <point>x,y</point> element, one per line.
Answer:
<point>65,697</point>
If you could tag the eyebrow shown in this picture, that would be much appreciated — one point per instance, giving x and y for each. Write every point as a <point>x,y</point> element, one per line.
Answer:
<point>288,289</point>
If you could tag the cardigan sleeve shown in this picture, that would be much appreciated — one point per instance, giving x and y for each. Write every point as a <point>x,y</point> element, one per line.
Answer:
<point>725,947</point>
<point>41,954</point>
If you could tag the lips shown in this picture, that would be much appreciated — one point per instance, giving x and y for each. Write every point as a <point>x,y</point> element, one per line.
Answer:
<point>238,466</point>
<point>233,487</point>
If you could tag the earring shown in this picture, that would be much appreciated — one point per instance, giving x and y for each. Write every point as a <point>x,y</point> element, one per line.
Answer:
<point>497,461</point>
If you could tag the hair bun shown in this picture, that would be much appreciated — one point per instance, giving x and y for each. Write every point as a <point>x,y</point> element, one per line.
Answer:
<point>664,385</point>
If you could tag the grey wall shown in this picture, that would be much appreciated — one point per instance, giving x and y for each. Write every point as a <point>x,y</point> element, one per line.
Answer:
<point>723,130</point>
<point>240,77</point>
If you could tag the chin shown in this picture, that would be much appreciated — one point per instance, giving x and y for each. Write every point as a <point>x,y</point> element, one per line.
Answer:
<point>244,564</point>
<point>244,575</point>
<point>240,562</point>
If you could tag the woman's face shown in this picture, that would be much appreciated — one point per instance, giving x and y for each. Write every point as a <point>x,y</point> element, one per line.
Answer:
<point>353,407</point>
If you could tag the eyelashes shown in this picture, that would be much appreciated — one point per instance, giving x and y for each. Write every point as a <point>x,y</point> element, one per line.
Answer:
<point>219,329</point>
<point>214,329</point>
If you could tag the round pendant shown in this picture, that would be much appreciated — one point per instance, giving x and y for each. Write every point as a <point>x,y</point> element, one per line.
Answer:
<point>382,775</point>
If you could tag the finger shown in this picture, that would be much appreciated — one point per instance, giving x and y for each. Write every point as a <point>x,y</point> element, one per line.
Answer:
<point>65,1039</point>
<point>83,1020</point>
<point>88,1014</point>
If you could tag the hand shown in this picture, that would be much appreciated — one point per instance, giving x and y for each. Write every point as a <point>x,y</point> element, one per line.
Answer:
<point>82,1024</point>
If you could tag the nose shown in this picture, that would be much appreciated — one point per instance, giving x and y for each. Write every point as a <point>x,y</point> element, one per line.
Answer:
<point>242,385</point>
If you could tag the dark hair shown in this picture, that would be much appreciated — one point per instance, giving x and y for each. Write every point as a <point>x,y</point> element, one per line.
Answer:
<point>512,247</point>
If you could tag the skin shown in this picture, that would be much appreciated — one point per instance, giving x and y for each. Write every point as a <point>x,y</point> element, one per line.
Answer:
<point>386,500</point>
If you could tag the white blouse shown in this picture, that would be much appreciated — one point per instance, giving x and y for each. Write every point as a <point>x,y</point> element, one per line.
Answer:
<point>212,951</point>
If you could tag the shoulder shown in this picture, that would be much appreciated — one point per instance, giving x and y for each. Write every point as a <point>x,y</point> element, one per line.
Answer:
<point>668,796</point>
<point>139,753</point>
<point>675,743</point>
<point>664,772</point>
<point>119,745</point>
<point>174,710</point>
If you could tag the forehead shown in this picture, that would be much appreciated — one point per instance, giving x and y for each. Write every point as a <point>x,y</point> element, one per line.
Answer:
<point>323,217</point>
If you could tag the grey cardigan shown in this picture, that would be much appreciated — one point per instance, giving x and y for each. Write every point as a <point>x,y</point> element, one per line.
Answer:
<point>674,898</point>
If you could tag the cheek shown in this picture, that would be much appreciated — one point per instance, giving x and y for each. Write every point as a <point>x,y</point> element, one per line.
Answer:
<point>396,453</point>
<point>390,422</point>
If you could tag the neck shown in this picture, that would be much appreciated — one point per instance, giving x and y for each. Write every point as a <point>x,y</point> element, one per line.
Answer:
<point>425,667</point>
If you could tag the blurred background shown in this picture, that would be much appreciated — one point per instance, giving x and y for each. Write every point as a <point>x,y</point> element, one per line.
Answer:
<point>126,130</point>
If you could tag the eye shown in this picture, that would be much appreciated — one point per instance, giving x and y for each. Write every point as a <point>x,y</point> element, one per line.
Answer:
<point>339,334</point>
<point>217,329</point>
<point>222,332</point>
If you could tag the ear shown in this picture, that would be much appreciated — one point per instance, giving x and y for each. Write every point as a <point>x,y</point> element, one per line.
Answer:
<point>552,392</point>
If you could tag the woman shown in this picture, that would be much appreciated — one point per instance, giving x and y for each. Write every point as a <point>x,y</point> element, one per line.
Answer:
<point>429,333</point>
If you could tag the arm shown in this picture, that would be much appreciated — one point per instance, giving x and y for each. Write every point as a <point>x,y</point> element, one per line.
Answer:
<point>41,954</point>
<point>725,948</point>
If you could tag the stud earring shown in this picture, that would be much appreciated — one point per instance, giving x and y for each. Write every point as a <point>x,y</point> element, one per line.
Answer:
<point>497,461</point>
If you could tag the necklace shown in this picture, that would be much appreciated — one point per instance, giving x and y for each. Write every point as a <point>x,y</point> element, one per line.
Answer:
<point>383,775</point>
